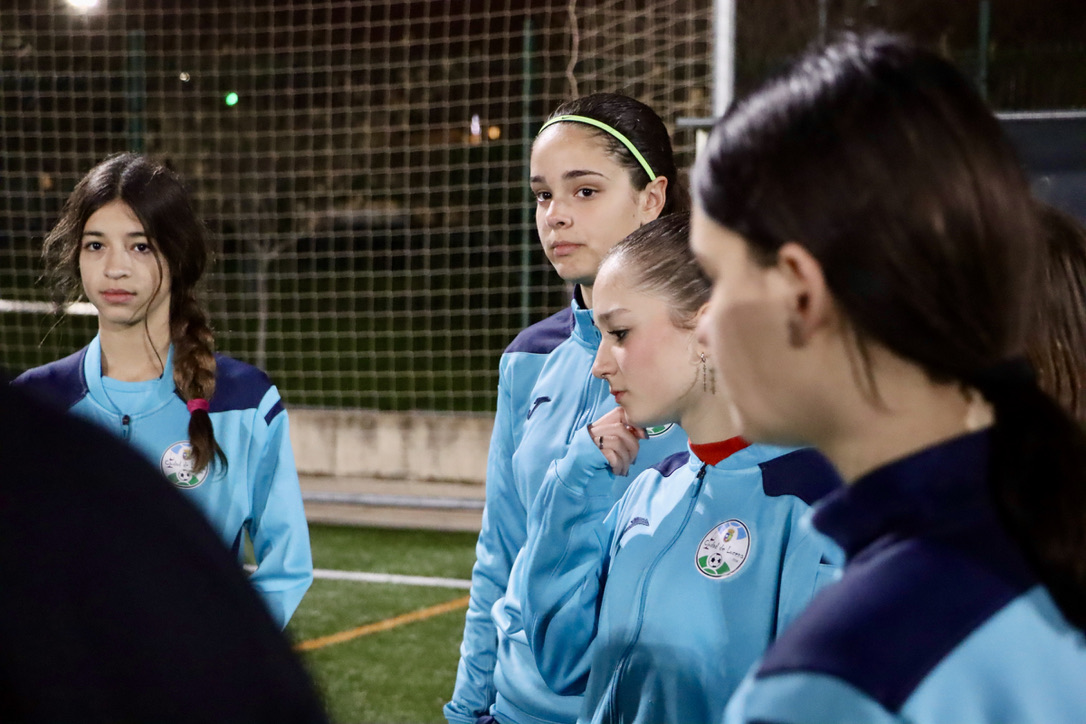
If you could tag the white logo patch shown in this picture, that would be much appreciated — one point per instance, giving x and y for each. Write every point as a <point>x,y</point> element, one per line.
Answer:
<point>724,549</point>
<point>177,466</point>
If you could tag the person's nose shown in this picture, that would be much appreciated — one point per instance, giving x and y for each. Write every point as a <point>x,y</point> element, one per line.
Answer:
<point>558,216</point>
<point>118,264</point>
<point>604,364</point>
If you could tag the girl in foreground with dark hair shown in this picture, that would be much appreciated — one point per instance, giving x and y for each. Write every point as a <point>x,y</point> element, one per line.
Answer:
<point>655,604</point>
<point>129,240</point>
<point>874,253</point>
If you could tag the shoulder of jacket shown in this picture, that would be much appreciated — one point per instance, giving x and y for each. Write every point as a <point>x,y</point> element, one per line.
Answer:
<point>240,386</point>
<point>60,383</point>
<point>671,463</point>
<point>896,602</point>
<point>802,473</point>
<point>543,337</point>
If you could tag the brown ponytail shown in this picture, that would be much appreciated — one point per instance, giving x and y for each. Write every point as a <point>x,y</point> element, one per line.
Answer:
<point>1038,459</point>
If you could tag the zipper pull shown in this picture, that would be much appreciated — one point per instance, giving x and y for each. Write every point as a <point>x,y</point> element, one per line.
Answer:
<point>125,422</point>
<point>700,478</point>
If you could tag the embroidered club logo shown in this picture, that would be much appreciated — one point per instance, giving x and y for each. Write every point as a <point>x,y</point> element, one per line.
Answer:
<point>177,466</point>
<point>658,430</point>
<point>724,549</point>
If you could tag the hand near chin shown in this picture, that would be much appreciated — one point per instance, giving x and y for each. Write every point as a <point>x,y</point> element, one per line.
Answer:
<point>617,440</point>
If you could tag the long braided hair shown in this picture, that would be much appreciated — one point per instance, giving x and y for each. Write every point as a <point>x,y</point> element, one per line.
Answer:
<point>159,199</point>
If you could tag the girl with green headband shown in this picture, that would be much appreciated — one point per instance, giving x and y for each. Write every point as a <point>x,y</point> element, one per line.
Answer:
<point>600,167</point>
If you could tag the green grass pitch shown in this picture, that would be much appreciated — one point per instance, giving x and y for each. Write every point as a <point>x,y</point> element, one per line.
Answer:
<point>404,674</point>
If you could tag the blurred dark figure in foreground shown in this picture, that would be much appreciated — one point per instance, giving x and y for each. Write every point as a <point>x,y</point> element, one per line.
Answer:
<point>119,602</point>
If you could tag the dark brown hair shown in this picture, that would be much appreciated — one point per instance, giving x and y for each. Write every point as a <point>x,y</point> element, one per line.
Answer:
<point>657,259</point>
<point>161,202</point>
<point>882,160</point>
<point>1056,344</point>
<point>644,129</point>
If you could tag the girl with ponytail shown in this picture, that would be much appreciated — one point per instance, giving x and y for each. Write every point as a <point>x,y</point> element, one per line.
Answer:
<point>875,254</point>
<point>129,240</point>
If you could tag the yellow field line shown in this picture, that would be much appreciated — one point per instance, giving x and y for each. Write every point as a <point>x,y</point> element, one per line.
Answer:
<point>388,623</point>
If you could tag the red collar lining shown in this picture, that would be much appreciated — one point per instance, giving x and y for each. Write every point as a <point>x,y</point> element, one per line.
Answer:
<point>713,452</point>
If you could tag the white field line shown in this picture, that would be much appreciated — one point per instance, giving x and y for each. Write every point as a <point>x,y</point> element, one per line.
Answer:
<point>390,578</point>
<point>82,309</point>
<point>364,577</point>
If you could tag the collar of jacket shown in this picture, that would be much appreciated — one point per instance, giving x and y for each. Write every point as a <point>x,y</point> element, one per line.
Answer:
<point>161,390</point>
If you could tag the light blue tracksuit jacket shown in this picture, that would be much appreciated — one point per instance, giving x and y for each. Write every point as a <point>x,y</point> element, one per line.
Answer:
<point>257,493</point>
<point>657,605</point>
<point>546,392</point>
<point>937,617</point>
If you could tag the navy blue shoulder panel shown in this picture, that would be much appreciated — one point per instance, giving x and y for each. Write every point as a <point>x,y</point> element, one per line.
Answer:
<point>543,337</point>
<point>59,383</point>
<point>804,473</point>
<point>672,463</point>
<point>239,386</point>
<point>900,610</point>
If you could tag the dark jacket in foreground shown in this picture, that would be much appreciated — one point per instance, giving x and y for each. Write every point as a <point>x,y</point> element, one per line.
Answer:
<point>119,602</point>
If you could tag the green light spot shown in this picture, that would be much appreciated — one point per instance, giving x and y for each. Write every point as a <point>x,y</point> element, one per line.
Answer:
<point>231,99</point>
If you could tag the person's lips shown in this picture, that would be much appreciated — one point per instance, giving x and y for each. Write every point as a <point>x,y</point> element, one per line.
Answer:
<point>564,248</point>
<point>117,296</point>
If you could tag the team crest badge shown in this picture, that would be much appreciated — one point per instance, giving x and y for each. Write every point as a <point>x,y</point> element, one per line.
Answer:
<point>658,430</point>
<point>724,549</point>
<point>177,466</point>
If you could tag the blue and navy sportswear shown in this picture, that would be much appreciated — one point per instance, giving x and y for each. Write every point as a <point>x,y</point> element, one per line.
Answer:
<point>656,606</point>
<point>256,494</point>
<point>546,392</point>
<point>937,617</point>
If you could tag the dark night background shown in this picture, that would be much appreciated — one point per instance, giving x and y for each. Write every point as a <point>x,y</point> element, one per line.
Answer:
<point>378,251</point>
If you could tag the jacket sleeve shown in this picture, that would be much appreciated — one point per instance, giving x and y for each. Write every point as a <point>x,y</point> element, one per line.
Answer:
<point>566,561</point>
<point>502,536</point>
<point>278,528</point>
<point>802,697</point>
<point>811,561</point>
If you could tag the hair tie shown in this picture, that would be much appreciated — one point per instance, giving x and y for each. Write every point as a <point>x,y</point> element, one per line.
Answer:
<point>609,129</point>
<point>197,403</point>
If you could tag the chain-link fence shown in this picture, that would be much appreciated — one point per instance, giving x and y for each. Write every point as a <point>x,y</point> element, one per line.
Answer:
<point>363,164</point>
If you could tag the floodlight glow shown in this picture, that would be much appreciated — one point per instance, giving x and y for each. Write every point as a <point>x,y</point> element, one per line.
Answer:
<point>83,4</point>
<point>231,99</point>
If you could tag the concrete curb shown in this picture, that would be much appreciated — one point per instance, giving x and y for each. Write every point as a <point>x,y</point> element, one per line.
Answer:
<point>401,470</point>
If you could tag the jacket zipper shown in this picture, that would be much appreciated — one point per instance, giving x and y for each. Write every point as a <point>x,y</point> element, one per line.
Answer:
<point>624,661</point>
<point>126,423</point>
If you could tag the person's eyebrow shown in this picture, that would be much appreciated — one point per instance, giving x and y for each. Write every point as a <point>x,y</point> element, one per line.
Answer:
<point>130,235</point>
<point>578,173</point>
<point>571,174</point>
<point>606,317</point>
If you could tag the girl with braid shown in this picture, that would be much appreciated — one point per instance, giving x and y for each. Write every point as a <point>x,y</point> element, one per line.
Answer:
<point>128,238</point>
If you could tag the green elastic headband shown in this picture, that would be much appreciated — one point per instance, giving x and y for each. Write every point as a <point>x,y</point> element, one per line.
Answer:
<point>604,127</point>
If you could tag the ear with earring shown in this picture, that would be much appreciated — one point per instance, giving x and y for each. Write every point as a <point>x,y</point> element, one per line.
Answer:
<point>708,376</point>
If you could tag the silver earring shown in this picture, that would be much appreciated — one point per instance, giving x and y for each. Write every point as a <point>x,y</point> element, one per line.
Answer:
<point>708,376</point>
